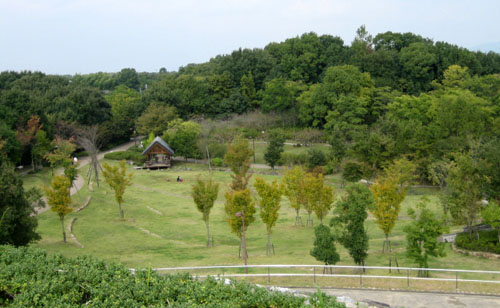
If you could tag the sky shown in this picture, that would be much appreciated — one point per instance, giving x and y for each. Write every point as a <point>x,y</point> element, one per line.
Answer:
<point>85,36</point>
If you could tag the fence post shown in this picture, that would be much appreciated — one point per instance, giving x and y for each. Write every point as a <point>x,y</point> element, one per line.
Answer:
<point>456,282</point>
<point>314,268</point>
<point>408,278</point>
<point>361,278</point>
<point>268,275</point>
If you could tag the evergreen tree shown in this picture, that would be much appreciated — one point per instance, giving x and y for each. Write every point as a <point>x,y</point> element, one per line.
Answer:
<point>324,246</point>
<point>274,148</point>
<point>18,226</point>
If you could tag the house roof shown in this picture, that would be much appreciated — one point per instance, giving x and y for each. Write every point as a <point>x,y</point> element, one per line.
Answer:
<point>162,143</point>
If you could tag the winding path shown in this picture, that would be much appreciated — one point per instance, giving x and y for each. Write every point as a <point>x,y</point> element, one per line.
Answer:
<point>83,161</point>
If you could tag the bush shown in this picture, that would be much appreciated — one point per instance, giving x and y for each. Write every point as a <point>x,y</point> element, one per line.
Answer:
<point>332,167</point>
<point>29,277</point>
<point>315,157</point>
<point>217,162</point>
<point>136,157</point>
<point>487,242</point>
<point>355,171</point>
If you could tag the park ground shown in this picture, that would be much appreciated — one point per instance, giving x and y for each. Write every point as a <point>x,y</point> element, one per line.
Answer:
<point>162,227</point>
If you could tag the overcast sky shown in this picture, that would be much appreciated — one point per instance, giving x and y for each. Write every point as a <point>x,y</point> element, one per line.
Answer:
<point>83,36</point>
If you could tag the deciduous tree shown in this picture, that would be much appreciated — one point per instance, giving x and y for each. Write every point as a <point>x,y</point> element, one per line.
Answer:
<point>118,179</point>
<point>204,194</point>
<point>59,199</point>
<point>294,190</point>
<point>422,234</point>
<point>238,159</point>
<point>269,203</point>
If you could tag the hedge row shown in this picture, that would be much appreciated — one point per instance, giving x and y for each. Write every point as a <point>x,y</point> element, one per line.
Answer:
<point>487,241</point>
<point>136,157</point>
<point>30,277</point>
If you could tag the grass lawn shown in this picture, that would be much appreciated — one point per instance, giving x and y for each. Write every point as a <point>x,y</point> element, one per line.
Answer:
<point>157,203</point>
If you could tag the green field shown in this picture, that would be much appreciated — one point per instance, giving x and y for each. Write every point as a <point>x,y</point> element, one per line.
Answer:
<point>181,231</point>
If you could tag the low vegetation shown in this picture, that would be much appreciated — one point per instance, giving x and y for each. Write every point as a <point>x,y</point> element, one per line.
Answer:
<point>31,278</point>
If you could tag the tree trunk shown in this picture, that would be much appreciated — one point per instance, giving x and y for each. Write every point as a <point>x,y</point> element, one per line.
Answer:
<point>208,158</point>
<point>269,252</point>
<point>208,233</point>
<point>63,231</point>
<point>32,162</point>
<point>121,211</point>
<point>253,143</point>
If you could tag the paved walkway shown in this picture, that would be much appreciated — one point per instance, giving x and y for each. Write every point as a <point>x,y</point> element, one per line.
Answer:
<point>411,299</point>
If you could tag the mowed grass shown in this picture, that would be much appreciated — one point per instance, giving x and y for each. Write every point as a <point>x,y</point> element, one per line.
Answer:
<point>182,231</point>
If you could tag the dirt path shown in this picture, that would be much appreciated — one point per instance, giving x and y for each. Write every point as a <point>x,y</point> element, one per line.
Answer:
<point>83,161</point>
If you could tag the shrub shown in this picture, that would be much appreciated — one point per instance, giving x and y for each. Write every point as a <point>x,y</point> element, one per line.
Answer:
<point>136,157</point>
<point>32,278</point>
<point>487,241</point>
<point>217,162</point>
<point>355,171</point>
<point>217,150</point>
<point>315,157</point>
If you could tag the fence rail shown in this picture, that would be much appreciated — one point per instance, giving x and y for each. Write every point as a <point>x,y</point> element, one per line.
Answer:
<point>455,278</point>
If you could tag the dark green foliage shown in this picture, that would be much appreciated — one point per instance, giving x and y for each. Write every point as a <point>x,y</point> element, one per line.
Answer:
<point>324,246</point>
<point>352,212</point>
<point>18,223</point>
<point>32,278</point>
<point>136,157</point>
<point>353,171</point>
<point>482,241</point>
<point>274,147</point>
<point>315,157</point>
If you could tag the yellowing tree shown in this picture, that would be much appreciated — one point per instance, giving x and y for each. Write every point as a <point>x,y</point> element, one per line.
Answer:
<point>294,190</point>
<point>118,179</point>
<point>389,192</point>
<point>319,196</point>
<point>204,195</point>
<point>59,199</point>
<point>269,203</point>
<point>238,159</point>
<point>239,206</point>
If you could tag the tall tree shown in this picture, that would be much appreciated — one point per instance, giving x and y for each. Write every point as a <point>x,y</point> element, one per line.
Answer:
<point>61,154</point>
<point>118,179</point>
<point>27,134</point>
<point>319,196</point>
<point>204,194</point>
<point>422,234</point>
<point>324,246</point>
<point>59,199</point>
<point>350,221</point>
<point>238,159</point>
<point>491,216</point>
<point>18,220</point>
<point>294,190</point>
<point>275,147</point>
<point>269,203</point>
<point>239,206</point>
<point>465,188</point>
<point>389,192</point>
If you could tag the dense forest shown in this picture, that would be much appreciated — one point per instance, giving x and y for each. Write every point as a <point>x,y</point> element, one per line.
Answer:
<point>377,99</point>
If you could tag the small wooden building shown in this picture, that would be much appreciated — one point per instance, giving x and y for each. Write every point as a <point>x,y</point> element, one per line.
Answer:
<point>158,154</point>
